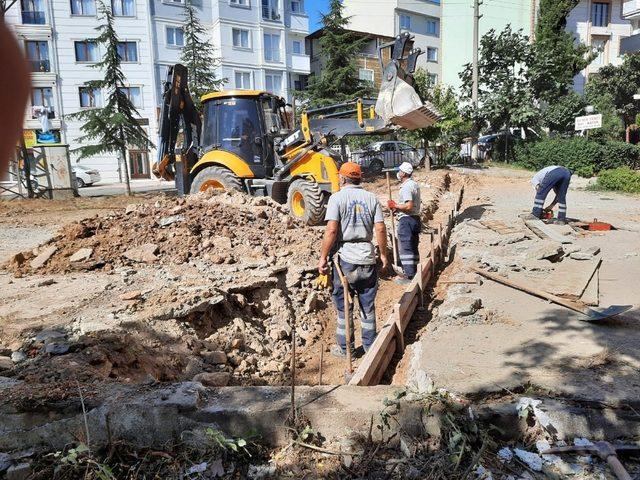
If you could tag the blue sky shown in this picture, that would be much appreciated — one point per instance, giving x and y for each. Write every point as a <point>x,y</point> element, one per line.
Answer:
<point>314,8</point>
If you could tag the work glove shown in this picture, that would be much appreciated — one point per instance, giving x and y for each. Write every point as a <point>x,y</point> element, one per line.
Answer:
<point>392,205</point>
<point>322,281</point>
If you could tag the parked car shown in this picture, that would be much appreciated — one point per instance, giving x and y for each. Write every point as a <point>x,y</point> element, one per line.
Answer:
<point>387,154</point>
<point>85,176</point>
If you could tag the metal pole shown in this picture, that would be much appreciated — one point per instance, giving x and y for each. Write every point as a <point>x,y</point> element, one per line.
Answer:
<point>474,91</point>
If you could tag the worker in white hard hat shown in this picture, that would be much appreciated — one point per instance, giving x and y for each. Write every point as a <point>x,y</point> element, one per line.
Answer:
<point>407,210</point>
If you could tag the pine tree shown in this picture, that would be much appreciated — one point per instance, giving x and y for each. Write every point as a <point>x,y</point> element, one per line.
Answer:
<point>198,55</point>
<point>114,126</point>
<point>339,81</point>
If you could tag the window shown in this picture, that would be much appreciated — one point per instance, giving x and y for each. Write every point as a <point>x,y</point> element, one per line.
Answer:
<point>83,7</point>
<point>42,97</point>
<point>89,97</point>
<point>365,74</point>
<point>38,55</point>
<point>133,94</point>
<point>176,2</point>
<point>86,51</point>
<point>432,54</point>
<point>300,83</point>
<point>33,12</point>
<point>599,45</point>
<point>240,38</point>
<point>433,27</point>
<point>405,22</point>
<point>433,78</point>
<point>272,47</point>
<point>297,47</point>
<point>175,36</point>
<point>296,6</point>
<point>599,14</point>
<point>128,51</point>
<point>139,164</point>
<point>243,80</point>
<point>122,8</point>
<point>270,10</point>
<point>239,3</point>
<point>273,82</point>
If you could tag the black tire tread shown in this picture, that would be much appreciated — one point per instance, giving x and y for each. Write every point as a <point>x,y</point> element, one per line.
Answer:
<point>225,176</point>
<point>315,206</point>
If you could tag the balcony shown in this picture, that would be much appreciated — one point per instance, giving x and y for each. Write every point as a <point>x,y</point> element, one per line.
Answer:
<point>298,21</point>
<point>30,17</point>
<point>298,63</point>
<point>40,66</point>
<point>631,9</point>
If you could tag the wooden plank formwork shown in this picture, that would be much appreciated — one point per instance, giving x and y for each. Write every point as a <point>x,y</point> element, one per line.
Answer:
<point>390,338</point>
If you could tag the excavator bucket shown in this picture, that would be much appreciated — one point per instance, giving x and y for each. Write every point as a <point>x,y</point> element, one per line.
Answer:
<point>398,103</point>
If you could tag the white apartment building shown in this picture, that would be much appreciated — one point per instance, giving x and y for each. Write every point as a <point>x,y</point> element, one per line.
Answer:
<point>631,12</point>
<point>260,42</point>
<point>602,25</point>
<point>389,18</point>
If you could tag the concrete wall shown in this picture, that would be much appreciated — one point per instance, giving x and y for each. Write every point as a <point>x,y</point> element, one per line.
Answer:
<point>457,30</point>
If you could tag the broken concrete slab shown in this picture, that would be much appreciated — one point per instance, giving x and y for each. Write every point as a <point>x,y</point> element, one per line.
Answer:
<point>5,363</point>
<point>43,257</point>
<point>213,379</point>
<point>145,253</point>
<point>460,306</point>
<point>546,250</point>
<point>81,255</point>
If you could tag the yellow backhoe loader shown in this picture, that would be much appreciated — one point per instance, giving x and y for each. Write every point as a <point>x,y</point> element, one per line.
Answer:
<point>246,139</point>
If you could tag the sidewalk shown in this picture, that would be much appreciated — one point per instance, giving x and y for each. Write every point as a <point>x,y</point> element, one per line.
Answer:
<point>137,186</point>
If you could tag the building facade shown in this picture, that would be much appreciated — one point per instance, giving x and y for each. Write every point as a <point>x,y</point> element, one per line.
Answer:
<point>602,25</point>
<point>631,12</point>
<point>260,43</point>
<point>457,29</point>
<point>389,18</point>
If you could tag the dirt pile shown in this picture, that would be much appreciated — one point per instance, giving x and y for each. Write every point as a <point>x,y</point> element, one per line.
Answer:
<point>218,228</point>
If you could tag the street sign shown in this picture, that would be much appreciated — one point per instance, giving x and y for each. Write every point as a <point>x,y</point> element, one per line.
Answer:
<point>589,122</point>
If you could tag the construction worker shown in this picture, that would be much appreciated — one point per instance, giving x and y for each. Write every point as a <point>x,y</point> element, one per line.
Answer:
<point>353,215</point>
<point>556,178</point>
<point>407,210</point>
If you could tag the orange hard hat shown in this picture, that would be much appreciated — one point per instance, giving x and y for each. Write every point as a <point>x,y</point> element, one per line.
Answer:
<point>351,170</point>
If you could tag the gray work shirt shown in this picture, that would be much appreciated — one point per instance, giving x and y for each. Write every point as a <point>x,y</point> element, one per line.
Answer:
<point>357,211</point>
<point>410,191</point>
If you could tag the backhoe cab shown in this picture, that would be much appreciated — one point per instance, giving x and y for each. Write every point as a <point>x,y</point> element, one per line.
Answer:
<point>246,140</point>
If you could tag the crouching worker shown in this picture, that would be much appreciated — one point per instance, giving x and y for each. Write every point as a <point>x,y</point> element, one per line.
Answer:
<point>407,210</point>
<point>556,178</point>
<point>353,215</point>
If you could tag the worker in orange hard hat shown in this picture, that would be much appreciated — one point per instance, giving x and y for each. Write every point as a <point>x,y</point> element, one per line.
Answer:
<point>353,216</point>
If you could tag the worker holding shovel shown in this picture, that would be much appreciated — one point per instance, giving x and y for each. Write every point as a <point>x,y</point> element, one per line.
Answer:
<point>407,210</point>
<point>353,215</point>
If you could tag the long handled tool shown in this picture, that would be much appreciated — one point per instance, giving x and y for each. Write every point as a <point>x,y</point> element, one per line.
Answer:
<point>347,318</point>
<point>593,315</point>
<point>606,451</point>
<point>394,238</point>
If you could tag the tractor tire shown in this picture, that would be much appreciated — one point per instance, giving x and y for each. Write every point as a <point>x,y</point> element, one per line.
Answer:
<point>306,202</point>
<point>215,177</point>
<point>376,166</point>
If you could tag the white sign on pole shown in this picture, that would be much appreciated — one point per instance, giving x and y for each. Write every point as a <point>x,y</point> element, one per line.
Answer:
<point>589,122</point>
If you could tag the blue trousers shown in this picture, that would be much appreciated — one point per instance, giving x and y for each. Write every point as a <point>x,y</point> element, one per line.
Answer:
<point>408,240</point>
<point>363,280</point>
<point>558,180</point>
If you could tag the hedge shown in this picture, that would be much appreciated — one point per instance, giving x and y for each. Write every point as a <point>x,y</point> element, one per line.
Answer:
<point>622,179</point>
<point>584,157</point>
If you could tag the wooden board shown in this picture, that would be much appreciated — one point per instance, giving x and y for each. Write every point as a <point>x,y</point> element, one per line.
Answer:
<point>546,231</point>
<point>499,227</point>
<point>373,358</point>
<point>591,294</point>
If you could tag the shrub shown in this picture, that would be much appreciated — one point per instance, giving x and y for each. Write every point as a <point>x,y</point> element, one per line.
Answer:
<point>622,179</point>
<point>582,156</point>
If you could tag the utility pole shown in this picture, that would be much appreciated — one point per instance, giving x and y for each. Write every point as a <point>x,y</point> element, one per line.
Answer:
<point>474,91</point>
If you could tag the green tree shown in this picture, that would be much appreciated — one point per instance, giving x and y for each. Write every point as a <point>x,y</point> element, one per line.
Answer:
<point>620,84</point>
<point>505,94</point>
<point>338,82</point>
<point>113,127</point>
<point>558,57</point>
<point>198,56</point>
<point>560,116</point>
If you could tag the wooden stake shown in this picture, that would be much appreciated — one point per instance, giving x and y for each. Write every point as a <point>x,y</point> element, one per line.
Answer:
<point>321,363</point>
<point>293,373</point>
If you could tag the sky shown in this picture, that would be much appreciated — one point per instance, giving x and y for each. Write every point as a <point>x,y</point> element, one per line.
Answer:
<point>314,9</point>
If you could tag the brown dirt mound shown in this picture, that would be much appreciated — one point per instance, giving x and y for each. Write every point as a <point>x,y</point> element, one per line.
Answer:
<point>219,228</point>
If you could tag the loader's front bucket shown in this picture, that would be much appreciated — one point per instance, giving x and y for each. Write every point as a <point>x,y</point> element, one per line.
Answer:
<point>398,103</point>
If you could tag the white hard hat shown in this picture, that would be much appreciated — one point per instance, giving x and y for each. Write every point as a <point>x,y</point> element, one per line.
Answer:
<point>407,168</point>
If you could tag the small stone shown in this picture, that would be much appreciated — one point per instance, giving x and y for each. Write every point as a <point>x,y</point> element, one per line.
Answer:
<point>46,283</point>
<point>581,256</point>
<point>222,243</point>
<point>18,356</point>
<point>132,207</point>
<point>273,366</point>
<point>5,461</point>
<point>132,295</point>
<point>194,367</point>
<point>57,347</point>
<point>17,260</point>
<point>81,255</point>
<point>166,221</point>
<point>21,471</point>
<point>213,379</point>
<point>311,303</point>
<point>237,343</point>
<point>460,307</point>
<point>43,257</point>
<point>145,253</point>
<point>217,357</point>
<point>6,363</point>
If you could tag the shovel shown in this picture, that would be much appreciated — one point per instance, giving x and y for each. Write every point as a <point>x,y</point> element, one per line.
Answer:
<point>593,315</point>
<point>394,242</point>
<point>347,319</point>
